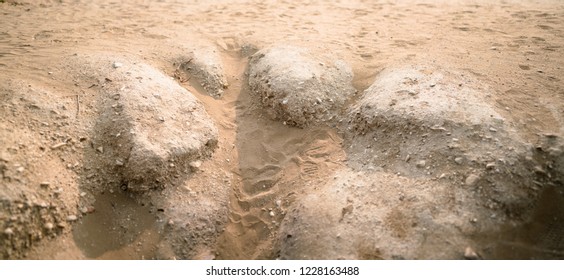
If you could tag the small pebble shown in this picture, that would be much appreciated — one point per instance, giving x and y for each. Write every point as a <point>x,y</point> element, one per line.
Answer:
<point>458,160</point>
<point>117,65</point>
<point>8,231</point>
<point>100,149</point>
<point>4,157</point>
<point>195,164</point>
<point>58,145</point>
<point>271,213</point>
<point>470,254</point>
<point>48,226</point>
<point>421,164</point>
<point>44,184</point>
<point>490,165</point>
<point>539,170</point>
<point>554,152</point>
<point>472,180</point>
<point>20,169</point>
<point>72,218</point>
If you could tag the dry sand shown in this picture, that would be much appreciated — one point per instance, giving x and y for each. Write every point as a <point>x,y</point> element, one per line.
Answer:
<point>58,203</point>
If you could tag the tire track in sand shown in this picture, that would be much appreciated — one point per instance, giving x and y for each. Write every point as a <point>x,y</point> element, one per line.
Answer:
<point>276,162</point>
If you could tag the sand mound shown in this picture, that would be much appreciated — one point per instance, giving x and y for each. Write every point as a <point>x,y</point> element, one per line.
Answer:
<point>151,134</point>
<point>38,188</point>
<point>430,123</point>
<point>195,214</point>
<point>150,129</point>
<point>360,215</point>
<point>430,96</point>
<point>205,65</point>
<point>377,215</point>
<point>300,87</point>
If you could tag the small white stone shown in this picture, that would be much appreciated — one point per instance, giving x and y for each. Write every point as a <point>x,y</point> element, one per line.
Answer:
<point>117,65</point>
<point>72,218</point>
<point>196,164</point>
<point>271,213</point>
<point>48,226</point>
<point>470,254</point>
<point>421,164</point>
<point>458,160</point>
<point>58,145</point>
<point>8,231</point>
